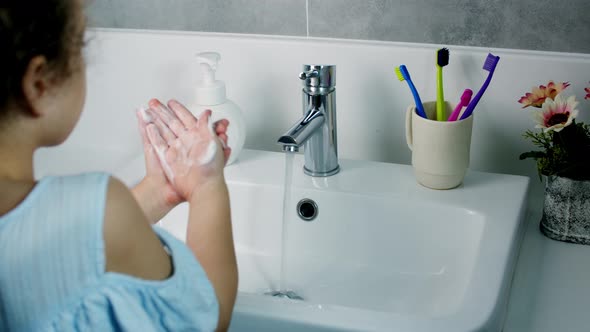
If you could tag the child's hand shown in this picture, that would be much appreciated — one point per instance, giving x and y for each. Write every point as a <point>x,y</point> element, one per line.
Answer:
<point>154,173</point>
<point>190,150</point>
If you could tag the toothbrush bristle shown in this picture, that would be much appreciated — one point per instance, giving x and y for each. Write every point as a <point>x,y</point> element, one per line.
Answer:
<point>491,62</point>
<point>442,57</point>
<point>399,74</point>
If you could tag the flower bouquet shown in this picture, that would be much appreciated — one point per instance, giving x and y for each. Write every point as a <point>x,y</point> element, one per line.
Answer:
<point>565,143</point>
<point>564,159</point>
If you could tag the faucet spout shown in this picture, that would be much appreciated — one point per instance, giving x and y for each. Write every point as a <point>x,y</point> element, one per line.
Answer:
<point>297,135</point>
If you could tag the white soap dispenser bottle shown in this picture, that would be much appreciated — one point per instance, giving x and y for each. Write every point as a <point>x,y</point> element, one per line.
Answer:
<point>210,94</point>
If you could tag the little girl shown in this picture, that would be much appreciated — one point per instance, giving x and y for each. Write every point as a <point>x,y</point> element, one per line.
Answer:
<point>78,253</point>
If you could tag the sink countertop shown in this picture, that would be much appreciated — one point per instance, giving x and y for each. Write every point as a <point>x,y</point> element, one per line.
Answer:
<point>551,286</point>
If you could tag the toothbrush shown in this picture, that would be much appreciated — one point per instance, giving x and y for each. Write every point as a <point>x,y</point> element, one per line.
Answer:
<point>442,59</point>
<point>403,75</point>
<point>489,65</point>
<point>465,99</point>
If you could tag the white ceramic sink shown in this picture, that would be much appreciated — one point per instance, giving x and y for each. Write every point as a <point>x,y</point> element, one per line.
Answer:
<point>383,253</point>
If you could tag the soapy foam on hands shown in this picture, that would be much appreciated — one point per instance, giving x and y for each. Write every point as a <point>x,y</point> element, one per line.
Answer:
<point>208,155</point>
<point>144,115</point>
<point>165,166</point>
<point>211,148</point>
<point>160,152</point>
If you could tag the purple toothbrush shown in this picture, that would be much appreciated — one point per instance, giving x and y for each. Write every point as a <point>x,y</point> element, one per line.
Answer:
<point>489,65</point>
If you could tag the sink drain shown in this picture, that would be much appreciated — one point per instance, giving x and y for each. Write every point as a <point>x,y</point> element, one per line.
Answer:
<point>307,209</point>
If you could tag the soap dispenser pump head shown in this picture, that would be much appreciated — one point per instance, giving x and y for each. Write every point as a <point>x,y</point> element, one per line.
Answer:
<point>208,62</point>
<point>209,91</point>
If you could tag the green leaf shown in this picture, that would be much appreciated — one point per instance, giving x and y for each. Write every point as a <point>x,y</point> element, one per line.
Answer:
<point>532,154</point>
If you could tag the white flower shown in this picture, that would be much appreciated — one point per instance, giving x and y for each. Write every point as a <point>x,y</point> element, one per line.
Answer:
<point>556,114</point>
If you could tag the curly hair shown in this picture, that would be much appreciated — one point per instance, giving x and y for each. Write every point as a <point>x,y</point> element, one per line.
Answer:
<point>31,28</point>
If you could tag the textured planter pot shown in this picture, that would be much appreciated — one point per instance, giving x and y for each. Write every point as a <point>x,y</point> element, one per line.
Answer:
<point>566,212</point>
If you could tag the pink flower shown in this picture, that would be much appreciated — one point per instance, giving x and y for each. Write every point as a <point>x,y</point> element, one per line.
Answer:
<point>537,97</point>
<point>587,92</point>
<point>556,114</point>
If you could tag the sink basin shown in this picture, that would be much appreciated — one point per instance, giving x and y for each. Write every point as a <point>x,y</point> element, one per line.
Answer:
<point>382,254</point>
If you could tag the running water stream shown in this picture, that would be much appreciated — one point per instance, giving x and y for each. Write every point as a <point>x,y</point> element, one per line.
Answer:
<point>283,290</point>
<point>286,199</point>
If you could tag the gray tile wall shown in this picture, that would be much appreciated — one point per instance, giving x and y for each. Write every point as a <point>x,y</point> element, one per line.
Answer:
<point>277,17</point>
<point>548,25</point>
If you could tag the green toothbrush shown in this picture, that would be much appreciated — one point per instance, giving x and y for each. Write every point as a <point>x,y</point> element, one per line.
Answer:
<point>442,59</point>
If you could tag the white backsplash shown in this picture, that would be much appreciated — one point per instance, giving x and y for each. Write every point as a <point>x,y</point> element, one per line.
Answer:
<point>127,67</point>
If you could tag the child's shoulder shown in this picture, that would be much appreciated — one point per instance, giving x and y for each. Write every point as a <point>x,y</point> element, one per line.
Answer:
<point>83,186</point>
<point>16,195</point>
<point>77,179</point>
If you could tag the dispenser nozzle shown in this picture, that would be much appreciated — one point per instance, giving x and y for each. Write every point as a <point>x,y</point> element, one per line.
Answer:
<point>208,62</point>
<point>209,58</point>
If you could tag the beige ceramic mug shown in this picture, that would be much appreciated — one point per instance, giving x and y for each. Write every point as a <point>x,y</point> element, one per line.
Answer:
<point>440,149</point>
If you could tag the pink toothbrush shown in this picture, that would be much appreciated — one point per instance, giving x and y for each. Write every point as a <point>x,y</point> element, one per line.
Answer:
<point>465,99</point>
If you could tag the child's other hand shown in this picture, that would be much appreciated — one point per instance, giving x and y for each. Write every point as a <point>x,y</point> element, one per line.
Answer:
<point>191,151</point>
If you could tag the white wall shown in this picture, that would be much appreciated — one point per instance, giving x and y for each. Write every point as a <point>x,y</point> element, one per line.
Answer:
<point>126,68</point>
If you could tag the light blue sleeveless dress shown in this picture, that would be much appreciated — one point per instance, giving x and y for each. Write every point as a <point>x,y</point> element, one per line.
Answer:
<point>52,269</point>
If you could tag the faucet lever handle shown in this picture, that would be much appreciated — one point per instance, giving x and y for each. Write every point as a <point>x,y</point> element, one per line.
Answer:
<point>309,74</point>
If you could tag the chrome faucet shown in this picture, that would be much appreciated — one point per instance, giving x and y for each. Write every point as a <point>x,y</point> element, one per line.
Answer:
<point>317,129</point>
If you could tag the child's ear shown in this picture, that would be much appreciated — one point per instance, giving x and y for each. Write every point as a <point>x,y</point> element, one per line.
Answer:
<point>35,85</point>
